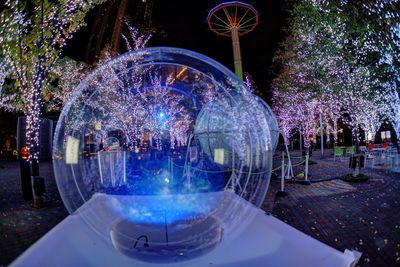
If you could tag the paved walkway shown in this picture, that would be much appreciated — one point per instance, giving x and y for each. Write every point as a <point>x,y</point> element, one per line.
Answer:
<point>20,225</point>
<point>363,216</point>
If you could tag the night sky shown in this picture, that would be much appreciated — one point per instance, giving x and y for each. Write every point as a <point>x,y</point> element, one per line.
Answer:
<point>184,25</point>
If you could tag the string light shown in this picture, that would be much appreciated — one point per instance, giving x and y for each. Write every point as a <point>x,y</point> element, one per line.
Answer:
<point>324,71</point>
<point>31,44</point>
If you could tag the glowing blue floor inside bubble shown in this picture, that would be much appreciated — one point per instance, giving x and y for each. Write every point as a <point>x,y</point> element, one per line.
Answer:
<point>158,188</point>
<point>165,228</point>
<point>162,209</point>
<point>160,175</point>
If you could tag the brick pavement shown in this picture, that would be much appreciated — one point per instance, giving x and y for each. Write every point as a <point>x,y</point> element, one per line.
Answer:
<point>363,216</point>
<point>20,225</point>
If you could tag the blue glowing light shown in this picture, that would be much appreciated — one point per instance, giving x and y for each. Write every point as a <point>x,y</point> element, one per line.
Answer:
<point>162,118</point>
<point>163,170</point>
<point>160,174</point>
<point>165,208</point>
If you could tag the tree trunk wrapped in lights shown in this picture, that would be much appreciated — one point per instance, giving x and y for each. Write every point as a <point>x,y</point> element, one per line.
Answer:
<point>347,60</point>
<point>32,36</point>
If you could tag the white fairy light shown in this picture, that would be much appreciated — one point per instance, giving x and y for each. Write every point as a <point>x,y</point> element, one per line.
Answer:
<point>31,44</point>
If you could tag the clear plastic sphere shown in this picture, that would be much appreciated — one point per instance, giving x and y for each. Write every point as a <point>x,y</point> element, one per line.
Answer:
<point>160,151</point>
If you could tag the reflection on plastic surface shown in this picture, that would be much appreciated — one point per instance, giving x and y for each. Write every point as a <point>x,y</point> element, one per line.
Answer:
<point>72,150</point>
<point>163,151</point>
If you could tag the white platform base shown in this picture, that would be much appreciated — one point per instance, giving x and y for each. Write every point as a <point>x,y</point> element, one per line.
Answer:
<point>266,241</point>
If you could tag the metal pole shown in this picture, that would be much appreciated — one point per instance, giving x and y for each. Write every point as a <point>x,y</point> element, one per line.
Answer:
<point>237,59</point>
<point>124,166</point>
<point>112,172</point>
<point>289,168</point>
<point>100,166</point>
<point>283,172</point>
<point>306,167</point>
<point>301,142</point>
<point>171,169</point>
<point>322,135</point>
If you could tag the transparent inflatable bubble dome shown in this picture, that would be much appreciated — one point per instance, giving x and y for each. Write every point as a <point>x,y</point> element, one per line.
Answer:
<point>160,151</point>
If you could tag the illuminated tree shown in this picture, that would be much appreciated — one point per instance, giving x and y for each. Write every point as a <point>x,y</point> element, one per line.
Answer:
<point>395,112</point>
<point>250,84</point>
<point>285,112</point>
<point>67,74</point>
<point>9,99</point>
<point>136,40</point>
<point>63,77</point>
<point>153,110</point>
<point>366,103</point>
<point>331,112</point>
<point>345,59</point>
<point>32,36</point>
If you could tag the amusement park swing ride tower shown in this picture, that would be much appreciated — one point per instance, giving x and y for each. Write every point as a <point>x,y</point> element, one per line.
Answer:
<point>233,19</point>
